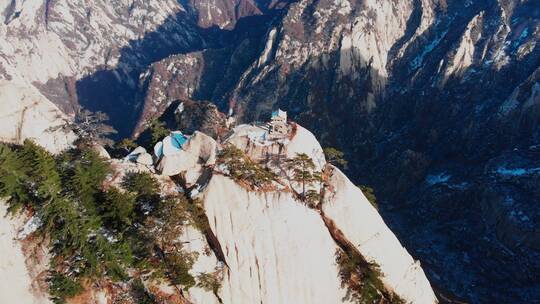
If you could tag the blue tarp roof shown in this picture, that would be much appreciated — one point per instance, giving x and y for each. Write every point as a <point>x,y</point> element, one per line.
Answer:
<point>179,139</point>
<point>171,144</point>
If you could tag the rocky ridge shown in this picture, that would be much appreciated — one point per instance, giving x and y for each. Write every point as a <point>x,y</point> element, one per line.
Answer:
<point>270,246</point>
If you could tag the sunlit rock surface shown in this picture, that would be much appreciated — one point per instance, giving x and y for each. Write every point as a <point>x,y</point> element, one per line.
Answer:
<point>26,114</point>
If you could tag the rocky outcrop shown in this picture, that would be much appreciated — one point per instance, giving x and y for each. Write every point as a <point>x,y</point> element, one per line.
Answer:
<point>343,205</point>
<point>420,94</point>
<point>265,245</point>
<point>26,114</point>
<point>202,116</point>
<point>222,13</point>
<point>277,250</point>
<point>197,153</point>
<point>238,216</point>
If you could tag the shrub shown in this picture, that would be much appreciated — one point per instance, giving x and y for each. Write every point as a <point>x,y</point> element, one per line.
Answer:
<point>141,294</point>
<point>177,266</point>
<point>197,215</point>
<point>62,287</point>
<point>370,195</point>
<point>210,281</point>
<point>362,279</point>
<point>141,183</point>
<point>242,168</point>
<point>335,157</point>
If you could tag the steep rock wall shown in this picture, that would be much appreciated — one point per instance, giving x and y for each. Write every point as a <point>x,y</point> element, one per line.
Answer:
<point>277,250</point>
<point>350,211</point>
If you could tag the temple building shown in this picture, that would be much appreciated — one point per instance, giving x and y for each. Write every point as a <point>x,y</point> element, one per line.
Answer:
<point>278,123</point>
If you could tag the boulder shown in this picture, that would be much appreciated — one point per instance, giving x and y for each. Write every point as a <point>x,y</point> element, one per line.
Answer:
<point>197,152</point>
<point>145,159</point>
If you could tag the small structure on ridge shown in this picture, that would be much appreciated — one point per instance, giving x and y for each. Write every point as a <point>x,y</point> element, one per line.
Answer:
<point>278,123</point>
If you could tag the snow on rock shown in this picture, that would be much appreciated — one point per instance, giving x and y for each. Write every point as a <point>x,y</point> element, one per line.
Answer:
<point>362,225</point>
<point>277,250</point>
<point>26,114</point>
<point>15,280</point>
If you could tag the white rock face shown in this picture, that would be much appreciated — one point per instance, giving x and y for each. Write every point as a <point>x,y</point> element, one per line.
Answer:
<point>26,114</point>
<point>277,250</point>
<point>361,224</point>
<point>373,33</point>
<point>206,262</point>
<point>15,281</point>
<point>40,40</point>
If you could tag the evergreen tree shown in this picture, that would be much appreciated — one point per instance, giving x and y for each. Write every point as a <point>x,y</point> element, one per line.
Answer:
<point>241,167</point>
<point>13,176</point>
<point>302,168</point>
<point>42,175</point>
<point>117,209</point>
<point>158,130</point>
<point>335,157</point>
<point>86,177</point>
<point>127,145</point>
<point>90,127</point>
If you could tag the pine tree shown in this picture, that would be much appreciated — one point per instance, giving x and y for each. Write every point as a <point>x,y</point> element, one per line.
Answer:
<point>335,157</point>
<point>158,130</point>
<point>117,209</point>
<point>302,168</point>
<point>12,179</point>
<point>42,175</point>
<point>90,127</point>
<point>127,145</point>
<point>87,176</point>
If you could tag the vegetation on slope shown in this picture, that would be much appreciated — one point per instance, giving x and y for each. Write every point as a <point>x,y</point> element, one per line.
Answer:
<point>97,234</point>
<point>243,169</point>
<point>362,279</point>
